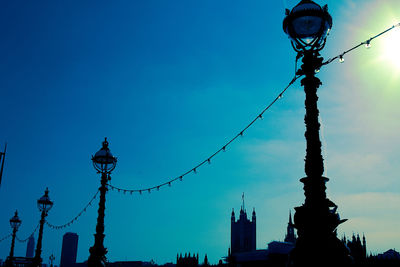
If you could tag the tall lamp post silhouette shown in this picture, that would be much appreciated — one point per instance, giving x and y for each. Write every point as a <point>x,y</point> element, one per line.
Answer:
<point>15,222</point>
<point>104,163</point>
<point>44,204</point>
<point>308,25</point>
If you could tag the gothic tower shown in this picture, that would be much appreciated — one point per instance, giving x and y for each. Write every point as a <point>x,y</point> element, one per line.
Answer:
<point>290,235</point>
<point>243,231</point>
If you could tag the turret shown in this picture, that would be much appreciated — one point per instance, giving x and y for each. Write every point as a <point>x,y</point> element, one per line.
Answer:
<point>253,217</point>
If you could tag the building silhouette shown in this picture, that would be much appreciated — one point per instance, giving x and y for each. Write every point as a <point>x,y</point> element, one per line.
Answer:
<point>69,250</point>
<point>357,247</point>
<point>290,235</point>
<point>187,260</point>
<point>243,231</point>
<point>30,247</point>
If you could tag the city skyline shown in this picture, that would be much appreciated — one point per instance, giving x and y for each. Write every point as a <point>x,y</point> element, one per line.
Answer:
<point>168,84</point>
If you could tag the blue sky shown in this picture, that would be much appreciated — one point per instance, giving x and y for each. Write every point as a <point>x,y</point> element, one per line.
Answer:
<point>169,82</point>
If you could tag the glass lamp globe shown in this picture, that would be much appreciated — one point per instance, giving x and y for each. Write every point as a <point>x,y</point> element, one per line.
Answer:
<point>307,25</point>
<point>15,222</point>
<point>44,203</point>
<point>103,160</point>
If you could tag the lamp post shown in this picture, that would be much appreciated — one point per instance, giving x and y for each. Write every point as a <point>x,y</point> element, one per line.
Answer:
<point>44,204</point>
<point>308,25</point>
<point>104,163</point>
<point>15,222</point>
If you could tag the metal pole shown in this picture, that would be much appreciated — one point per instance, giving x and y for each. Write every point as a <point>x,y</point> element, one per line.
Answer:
<point>98,251</point>
<point>316,220</point>
<point>37,260</point>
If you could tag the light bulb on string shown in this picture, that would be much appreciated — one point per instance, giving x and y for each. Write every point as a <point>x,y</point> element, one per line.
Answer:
<point>169,183</point>
<point>260,116</point>
<point>180,178</point>
<point>317,70</point>
<point>368,44</point>
<point>341,59</point>
<point>195,170</point>
<point>209,161</point>
<point>224,148</point>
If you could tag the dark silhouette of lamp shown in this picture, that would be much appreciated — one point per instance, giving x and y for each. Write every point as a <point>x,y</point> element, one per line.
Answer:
<point>308,25</point>
<point>44,205</point>
<point>104,162</point>
<point>15,223</point>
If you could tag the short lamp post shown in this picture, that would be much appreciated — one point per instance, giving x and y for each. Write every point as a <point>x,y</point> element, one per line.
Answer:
<point>15,222</point>
<point>104,163</point>
<point>44,204</point>
<point>308,25</point>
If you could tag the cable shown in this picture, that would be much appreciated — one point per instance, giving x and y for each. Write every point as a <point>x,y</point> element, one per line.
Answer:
<point>76,217</point>
<point>4,238</point>
<point>208,159</point>
<point>26,239</point>
<point>367,43</point>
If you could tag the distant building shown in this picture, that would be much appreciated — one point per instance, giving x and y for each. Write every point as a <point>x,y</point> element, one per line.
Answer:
<point>187,260</point>
<point>243,231</point>
<point>391,254</point>
<point>30,247</point>
<point>357,248</point>
<point>69,250</point>
<point>290,235</point>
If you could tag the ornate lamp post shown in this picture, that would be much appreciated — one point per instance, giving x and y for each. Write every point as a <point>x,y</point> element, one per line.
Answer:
<point>104,163</point>
<point>308,25</point>
<point>15,222</point>
<point>44,204</point>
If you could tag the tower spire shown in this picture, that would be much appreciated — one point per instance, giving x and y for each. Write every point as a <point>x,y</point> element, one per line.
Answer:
<point>243,202</point>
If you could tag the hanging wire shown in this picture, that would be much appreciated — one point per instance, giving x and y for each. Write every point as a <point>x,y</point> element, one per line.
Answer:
<point>76,217</point>
<point>26,239</point>
<point>223,148</point>
<point>367,43</point>
<point>259,116</point>
<point>4,238</point>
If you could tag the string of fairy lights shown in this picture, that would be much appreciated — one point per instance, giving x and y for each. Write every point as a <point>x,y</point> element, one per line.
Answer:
<point>223,148</point>
<point>367,44</point>
<point>65,225</point>
<point>4,238</point>
<point>194,170</point>
<point>26,239</point>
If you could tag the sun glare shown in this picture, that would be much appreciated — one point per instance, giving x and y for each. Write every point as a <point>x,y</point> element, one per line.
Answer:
<point>391,48</point>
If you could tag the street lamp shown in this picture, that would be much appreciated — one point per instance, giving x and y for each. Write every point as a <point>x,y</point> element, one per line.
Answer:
<point>44,205</point>
<point>104,163</point>
<point>15,222</point>
<point>308,25</point>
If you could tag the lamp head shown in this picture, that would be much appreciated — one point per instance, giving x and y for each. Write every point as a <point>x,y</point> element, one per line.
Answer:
<point>307,25</point>
<point>44,203</point>
<point>15,222</point>
<point>103,160</point>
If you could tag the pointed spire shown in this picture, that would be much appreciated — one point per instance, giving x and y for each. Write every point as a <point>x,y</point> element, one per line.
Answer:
<point>290,218</point>
<point>243,208</point>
